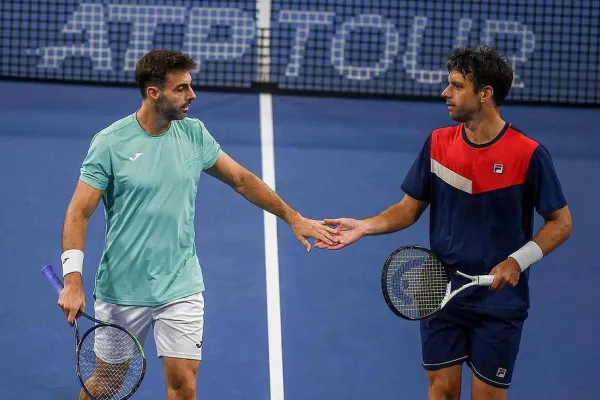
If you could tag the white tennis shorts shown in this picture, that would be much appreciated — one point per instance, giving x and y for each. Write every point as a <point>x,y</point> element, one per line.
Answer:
<point>178,326</point>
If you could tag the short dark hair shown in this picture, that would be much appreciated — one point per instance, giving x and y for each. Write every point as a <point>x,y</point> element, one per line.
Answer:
<point>152,68</point>
<point>484,66</point>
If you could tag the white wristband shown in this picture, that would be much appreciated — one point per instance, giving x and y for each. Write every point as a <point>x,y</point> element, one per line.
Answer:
<point>72,261</point>
<point>527,255</point>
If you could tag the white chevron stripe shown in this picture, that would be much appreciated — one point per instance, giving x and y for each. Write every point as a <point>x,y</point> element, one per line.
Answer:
<point>451,178</point>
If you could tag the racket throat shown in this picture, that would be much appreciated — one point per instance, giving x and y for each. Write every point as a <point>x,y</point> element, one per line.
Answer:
<point>448,296</point>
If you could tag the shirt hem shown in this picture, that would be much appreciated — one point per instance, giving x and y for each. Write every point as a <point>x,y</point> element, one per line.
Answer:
<point>93,182</point>
<point>212,161</point>
<point>409,192</point>
<point>131,302</point>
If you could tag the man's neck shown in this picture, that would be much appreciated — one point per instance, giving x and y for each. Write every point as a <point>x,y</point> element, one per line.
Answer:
<point>150,121</point>
<point>484,127</point>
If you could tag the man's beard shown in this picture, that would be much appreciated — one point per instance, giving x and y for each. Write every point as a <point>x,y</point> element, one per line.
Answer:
<point>170,112</point>
<point>462,114</point>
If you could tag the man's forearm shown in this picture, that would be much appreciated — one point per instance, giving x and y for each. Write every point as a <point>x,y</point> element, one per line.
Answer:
<point>260,194</point>
<point>73,234</point>
<point>556,229</point>
<point>393,219</point>
<point>552,234</point>
<point>73,238</point>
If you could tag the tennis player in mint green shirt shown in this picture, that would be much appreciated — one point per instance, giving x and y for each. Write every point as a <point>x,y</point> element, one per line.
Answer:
<point>149,185</point>
<point>145,168</point>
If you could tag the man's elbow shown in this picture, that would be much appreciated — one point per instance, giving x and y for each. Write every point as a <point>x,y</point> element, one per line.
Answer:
<point>240,182</point>
<point>564,224</point>
<point>567,226</point>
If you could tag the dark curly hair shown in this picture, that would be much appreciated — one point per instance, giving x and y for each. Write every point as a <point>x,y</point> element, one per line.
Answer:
<point>153,67</point>
<point>484,66</point>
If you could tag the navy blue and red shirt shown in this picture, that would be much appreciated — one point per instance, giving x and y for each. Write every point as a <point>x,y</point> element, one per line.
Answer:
<point>482,200</point>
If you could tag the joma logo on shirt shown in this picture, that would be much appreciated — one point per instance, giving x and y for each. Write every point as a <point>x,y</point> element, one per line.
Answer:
<point>135,156</point>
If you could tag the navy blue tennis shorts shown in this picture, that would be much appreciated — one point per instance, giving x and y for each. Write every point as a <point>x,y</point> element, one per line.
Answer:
<point>488,344</point>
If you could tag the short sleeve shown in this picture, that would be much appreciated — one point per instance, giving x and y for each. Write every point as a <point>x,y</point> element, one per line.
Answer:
<point>211,149</point>
<point>96,169</point>
<point>543,185</point>
<point>418,180</point>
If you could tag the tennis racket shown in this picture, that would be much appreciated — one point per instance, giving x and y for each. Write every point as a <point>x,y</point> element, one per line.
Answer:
<point>109,360</point>
<point>415,282</point>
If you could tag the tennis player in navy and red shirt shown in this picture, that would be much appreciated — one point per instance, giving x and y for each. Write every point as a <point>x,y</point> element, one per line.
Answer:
<point>482,180</point>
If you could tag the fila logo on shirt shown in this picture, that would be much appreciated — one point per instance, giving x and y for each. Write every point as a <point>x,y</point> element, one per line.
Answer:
<point>501,373</point>
<point>498,168</point>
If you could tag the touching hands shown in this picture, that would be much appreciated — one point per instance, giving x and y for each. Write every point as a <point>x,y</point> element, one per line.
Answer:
<point>305,228</point>
<point>347,231</point>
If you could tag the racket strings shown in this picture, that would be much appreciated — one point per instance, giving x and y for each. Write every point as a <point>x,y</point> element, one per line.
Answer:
<point>417,283</point>
<point>110,363</point>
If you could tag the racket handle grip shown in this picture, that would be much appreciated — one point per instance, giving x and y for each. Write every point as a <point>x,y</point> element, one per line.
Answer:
<point>485,280</point>
<point>49,273</point>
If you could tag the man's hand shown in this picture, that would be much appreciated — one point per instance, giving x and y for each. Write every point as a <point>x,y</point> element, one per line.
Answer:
<point>71,298</point>
<point>307,228</point>
<point>347,231</point>
<point>506,273</point>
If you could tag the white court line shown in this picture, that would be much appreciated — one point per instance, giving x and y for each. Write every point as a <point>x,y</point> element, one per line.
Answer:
<point>271,252</point>
<point>263,8</point>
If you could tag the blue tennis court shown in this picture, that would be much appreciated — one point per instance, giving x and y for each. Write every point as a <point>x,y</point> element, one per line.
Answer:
<point>333,157</point>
